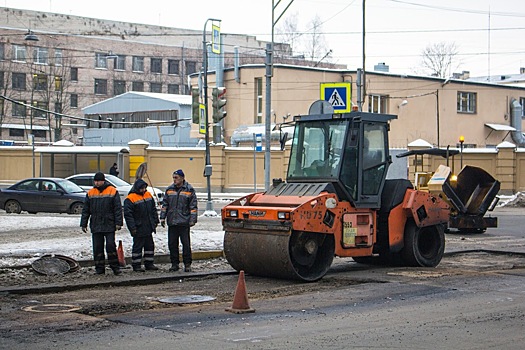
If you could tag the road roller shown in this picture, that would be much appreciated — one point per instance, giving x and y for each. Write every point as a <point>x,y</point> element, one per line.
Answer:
<point>335,201</point>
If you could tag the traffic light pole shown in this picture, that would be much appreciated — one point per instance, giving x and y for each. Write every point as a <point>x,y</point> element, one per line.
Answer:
<point>207,167</point>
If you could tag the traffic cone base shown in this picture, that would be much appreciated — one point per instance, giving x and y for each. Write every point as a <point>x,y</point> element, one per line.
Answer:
<point>240,299</point>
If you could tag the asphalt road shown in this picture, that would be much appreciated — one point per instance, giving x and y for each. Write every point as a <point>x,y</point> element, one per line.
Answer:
<point>472,300</point>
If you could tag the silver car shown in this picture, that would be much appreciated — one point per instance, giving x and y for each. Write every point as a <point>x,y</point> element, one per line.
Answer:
<point>85,181</point>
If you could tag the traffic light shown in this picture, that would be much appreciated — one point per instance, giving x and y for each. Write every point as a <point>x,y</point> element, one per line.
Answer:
<point>195,106</point>
<point>218,104</point>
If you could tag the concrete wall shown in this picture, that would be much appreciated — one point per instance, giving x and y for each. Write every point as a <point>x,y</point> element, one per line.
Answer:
<point>233,167</point>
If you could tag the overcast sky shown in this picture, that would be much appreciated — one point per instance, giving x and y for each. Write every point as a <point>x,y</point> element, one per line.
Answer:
<point>488,33</point>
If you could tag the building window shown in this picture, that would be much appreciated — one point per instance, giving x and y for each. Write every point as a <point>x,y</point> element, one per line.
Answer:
<point>40,133</point>
<point>40,82</point>
<point>73,101</point>
<point>467,102</point>
<point>156,65</point>
<point>2,51</point>
<point>19,53</point>
<point>40,55</point>
<point>2,107</point>
<point>138,64</point>
<point>137,86</point>
<point>101,87</point>
<point>155,87</point>
<point>74,130</point>
<point>522,103</point>
<point>191,67</point>
<point>173,88</point>
<point>58,57</point>
<point>16,132</point>
<point>119,63</point>
<point>38,113</point>
<point>173,66</point>
<point>258,100</point>
<point>74,74</point>
<point>19,110</point>
<point>2,81</point>
<point>19,81</point>
<point>101,60</point>
<point>377,103</point>
<point>119,87</point>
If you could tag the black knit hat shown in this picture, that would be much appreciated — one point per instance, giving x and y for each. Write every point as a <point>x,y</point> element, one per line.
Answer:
<point>179,172</point>
<point>99,177</point>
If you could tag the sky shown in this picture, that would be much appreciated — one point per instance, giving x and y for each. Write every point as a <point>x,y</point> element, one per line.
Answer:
<point>487,33</point>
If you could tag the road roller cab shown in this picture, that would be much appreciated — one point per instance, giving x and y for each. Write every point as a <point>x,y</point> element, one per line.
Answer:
<point>335,201</point>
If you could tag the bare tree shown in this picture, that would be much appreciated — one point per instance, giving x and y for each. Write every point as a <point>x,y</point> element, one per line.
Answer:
<point>287,32</point>
<point>440,59</point>
<point>315,42</point>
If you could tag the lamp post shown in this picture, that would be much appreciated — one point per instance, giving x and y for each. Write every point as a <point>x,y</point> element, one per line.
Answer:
<point>461,140</point>
<point>207,164</point>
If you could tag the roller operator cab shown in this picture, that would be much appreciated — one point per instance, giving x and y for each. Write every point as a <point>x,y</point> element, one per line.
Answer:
<point>335,201</point>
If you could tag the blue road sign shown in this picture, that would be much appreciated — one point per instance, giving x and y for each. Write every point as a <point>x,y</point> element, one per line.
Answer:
<point>339,95</point>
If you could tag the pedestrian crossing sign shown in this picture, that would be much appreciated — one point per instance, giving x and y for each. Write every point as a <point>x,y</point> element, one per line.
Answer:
<point>339,95</point>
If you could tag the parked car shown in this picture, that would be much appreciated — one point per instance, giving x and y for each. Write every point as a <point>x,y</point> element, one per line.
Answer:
<point>85,181</point>
<point>43,195</point>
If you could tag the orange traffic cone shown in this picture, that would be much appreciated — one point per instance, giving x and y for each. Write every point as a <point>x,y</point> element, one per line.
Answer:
<point>120,254</point>
<point>240,299</point>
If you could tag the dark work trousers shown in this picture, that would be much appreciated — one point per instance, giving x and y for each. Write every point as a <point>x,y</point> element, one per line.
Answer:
<point>98,250</point>
<point>174,233</point>
<point>140,243</point>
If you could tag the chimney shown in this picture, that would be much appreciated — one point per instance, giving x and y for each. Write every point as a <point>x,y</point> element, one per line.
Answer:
<point>522,70</point>
<point>465,75</point>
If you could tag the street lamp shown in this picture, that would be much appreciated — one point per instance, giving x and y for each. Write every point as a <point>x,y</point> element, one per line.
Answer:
<point>207,166</point>
<point>461,140</point>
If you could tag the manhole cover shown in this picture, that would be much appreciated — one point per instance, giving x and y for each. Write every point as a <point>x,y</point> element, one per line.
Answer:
<point>49,265</point>
<point>186,299</point>
<point>52,308</point>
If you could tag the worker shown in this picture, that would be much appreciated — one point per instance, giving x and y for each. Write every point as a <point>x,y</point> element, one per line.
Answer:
<point>114,170</point>
<point>103,210</point>
<point>142,219</point>
<point>179,207</point>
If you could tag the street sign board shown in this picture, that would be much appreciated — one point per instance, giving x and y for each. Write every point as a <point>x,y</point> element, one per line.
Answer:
<point>339,95</point>
<point>258,142</point>
<point>216,39</point>
<point>202,119</point>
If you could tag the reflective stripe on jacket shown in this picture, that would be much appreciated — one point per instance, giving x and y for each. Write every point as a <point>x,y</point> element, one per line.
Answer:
<point>102,208</point>
<point>140,213</point>
<point>179,205</point>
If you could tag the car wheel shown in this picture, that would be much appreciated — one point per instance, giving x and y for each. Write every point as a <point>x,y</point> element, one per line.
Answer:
<point>13,206</point>
<point>76,208</point>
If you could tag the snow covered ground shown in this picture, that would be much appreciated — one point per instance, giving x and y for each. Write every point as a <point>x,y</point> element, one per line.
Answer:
<point>26,237</point>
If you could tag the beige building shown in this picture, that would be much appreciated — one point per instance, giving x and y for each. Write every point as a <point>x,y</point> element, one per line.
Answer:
<point>436,110</point>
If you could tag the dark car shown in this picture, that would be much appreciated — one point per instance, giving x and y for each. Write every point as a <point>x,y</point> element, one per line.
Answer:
<point>43,195</point>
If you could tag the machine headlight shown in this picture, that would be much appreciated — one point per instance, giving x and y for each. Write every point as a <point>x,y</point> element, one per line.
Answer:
<point>232,213</point>
<point>283,215</point>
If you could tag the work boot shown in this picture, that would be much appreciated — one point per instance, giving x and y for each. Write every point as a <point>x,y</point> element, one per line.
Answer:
<point>138,268</point>
<point>174,268</point>
<point>151,267</point>
<point>187,268</point>
<point>99,272</point>
<point>116,271</point>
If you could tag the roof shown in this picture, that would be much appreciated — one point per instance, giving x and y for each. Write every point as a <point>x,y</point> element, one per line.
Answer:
<point>83,149</point>
<point>134,101</point>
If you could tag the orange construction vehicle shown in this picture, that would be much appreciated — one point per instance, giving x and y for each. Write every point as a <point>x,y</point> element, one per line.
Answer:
<point>336,201</point>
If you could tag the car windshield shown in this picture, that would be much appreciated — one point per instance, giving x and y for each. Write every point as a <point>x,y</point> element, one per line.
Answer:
<point>117,181</point>
<point>69,186</point>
